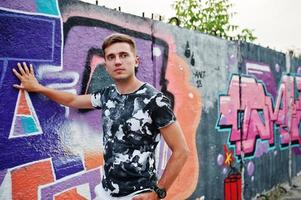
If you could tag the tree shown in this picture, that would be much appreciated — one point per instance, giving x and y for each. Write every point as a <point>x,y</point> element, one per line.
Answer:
<point>211,17</point>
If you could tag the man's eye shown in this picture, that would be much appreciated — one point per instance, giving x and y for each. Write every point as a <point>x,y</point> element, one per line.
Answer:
<point>110,57</point>
<point>124,55</point>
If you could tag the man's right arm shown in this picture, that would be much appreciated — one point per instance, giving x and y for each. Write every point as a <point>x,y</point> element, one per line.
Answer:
<point>67,99</point>
<point>30,84</point>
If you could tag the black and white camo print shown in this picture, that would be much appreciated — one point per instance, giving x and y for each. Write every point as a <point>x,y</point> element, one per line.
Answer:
<point>131,124</point>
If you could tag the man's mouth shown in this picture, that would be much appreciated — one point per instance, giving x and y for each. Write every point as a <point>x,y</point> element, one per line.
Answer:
<point>119,70</point>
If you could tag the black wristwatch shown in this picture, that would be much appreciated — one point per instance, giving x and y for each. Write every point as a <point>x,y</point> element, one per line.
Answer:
<point>161,192</point>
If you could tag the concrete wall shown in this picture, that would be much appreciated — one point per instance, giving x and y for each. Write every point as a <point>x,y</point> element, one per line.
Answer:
<point>234,101</point>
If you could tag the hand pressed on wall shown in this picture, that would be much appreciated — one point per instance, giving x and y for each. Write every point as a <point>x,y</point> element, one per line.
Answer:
<point>27,78</point>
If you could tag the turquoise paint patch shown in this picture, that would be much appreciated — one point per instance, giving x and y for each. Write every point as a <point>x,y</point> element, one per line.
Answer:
<point>29,125</point>
<point>47,7</point>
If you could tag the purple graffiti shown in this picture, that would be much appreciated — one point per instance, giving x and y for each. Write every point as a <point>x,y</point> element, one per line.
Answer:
<point>264,73</point>
<point>92,177</point>
<point>18,27</point>
<point>35,39</point>
<point>83,37</point>
<point>250,168</point>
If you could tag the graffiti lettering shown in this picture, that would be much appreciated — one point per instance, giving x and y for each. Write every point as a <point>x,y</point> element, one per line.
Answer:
<point>254,116</point>
<point>199,75</point>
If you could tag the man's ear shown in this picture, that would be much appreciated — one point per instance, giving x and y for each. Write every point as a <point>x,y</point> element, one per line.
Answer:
<point>137,61</point>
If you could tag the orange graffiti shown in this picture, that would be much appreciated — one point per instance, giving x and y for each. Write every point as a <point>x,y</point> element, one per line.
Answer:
<point>93,160</point>
<point>229,157</point>
<point>70,194</point>
<point>188,108</point>
<point>23,106</point>
<point>27,179</point>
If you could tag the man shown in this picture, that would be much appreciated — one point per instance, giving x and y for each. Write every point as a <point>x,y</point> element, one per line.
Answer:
<point>134,116</point>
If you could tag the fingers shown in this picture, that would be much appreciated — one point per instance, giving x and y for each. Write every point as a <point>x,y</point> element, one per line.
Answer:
<point>31,69</point>
<point>26,75</point>
<point>18,86</point>
<point>26,68</point>
<point>21,69</point>
<point>141,197</point>
<point>137,197</point>
<point>17,74</point>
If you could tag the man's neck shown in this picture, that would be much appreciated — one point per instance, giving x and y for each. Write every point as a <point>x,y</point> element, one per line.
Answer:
<point>128,86</point>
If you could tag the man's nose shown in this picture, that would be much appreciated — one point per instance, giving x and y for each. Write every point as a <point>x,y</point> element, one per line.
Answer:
<point>117,60</point>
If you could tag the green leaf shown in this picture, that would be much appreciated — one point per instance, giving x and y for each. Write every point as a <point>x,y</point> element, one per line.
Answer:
<point>210,16</point>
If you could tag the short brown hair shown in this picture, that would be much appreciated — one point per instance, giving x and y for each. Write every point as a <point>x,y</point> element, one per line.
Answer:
<point>116,38</point>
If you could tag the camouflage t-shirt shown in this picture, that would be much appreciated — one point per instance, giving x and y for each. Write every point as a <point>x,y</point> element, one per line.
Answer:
<point>131,124</point>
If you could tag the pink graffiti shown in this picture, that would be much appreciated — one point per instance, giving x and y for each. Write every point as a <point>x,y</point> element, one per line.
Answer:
<point>250,113</point>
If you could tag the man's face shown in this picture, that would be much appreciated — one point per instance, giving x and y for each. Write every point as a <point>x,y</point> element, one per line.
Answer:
<point>120,61</point>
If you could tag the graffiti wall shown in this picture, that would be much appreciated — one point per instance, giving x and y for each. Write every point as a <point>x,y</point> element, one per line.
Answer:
<point>267,125</point>
<point>238,104</point>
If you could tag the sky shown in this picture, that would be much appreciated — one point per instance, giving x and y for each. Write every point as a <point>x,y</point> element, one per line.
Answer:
<point>275,23</point>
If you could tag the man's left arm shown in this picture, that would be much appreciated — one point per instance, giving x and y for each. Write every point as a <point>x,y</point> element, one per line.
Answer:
<point>175,140</point>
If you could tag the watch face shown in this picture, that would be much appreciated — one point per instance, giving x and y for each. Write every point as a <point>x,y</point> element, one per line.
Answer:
<point>161,193</point>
